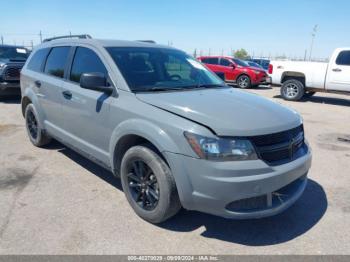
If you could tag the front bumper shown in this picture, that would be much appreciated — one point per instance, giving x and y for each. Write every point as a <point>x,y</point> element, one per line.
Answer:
<point>239,190</point>
<point>10,88</point>
<point>262,81</point>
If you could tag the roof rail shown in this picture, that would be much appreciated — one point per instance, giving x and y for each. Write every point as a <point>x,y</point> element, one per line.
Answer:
<point>68,36</point>
<point>147,41</point>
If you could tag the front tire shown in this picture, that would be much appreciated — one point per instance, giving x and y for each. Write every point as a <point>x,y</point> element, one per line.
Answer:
<point>244,81</point>
<point>149,185</point>
<point>292,90</point>
<point>35,132</point>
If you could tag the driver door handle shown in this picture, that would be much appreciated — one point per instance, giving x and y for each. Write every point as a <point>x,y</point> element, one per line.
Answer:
<point>67,95</point>
<point>336,70</point>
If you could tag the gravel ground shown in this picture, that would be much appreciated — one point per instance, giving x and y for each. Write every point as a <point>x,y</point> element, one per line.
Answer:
<point>53,201</point>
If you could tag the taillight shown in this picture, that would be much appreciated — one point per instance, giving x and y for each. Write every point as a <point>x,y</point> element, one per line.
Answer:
<point>270,69</point>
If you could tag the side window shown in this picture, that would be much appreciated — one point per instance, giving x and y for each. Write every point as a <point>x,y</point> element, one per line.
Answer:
<point>37,60</point>
<point>86,61</point>
<point>211,60</point>
<point>224,62</point>
<point>343,58</point>
<point>56,61</point>
<point>175,66</point>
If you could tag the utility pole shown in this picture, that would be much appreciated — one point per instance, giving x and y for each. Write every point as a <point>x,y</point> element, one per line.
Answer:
<point>313,34</point>
<point>305,54</point>
<point>2,40</point>
<point>41,37</point>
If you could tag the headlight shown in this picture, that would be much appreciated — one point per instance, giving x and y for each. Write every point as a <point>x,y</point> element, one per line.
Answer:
<point>2,65</point>
<point>221,149</point>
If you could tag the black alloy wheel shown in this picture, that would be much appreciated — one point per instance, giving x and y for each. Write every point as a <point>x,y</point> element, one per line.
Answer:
<point>143,185</point>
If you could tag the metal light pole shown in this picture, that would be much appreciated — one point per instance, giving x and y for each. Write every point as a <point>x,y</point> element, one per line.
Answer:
<point>41,37</point>
<point>313,34</point>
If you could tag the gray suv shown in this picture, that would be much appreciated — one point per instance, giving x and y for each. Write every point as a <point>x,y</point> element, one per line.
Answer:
<point>174,133</point>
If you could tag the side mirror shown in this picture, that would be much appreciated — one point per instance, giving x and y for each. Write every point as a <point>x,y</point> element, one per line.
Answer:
<point>95,81</point>
<point>233,66</point>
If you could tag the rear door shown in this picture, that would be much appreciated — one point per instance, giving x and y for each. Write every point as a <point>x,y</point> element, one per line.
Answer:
<point>87,111</point>
<point>212,63</point>
<point>339,72</point>
<point>49,88</point>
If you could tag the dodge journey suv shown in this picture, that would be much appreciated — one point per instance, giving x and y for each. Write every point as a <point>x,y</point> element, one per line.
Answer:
<point>174,133</point>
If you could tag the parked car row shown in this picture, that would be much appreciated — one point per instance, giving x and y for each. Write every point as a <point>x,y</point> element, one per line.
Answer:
<point>173,131</point>
<point>236,71</point>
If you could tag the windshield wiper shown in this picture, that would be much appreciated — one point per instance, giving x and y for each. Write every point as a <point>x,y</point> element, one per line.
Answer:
<point>158,88</point>
<point>209,85</point>
<point>203,86</point>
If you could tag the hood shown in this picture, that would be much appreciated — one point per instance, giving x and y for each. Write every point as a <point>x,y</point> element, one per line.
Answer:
<point>256,68</point>
<point>228,112</point>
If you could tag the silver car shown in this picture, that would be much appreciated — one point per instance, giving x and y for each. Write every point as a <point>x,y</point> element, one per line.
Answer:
<point>174,133</point>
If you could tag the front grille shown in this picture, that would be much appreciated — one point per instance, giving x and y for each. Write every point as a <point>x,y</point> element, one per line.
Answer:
<point>12,73</point>
<point>282,146</point>
<point>269,200</point>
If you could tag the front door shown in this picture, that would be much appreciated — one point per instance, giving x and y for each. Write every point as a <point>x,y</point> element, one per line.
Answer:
<point>339,73</point>
<point>86,112</point>
<point>228,68</point>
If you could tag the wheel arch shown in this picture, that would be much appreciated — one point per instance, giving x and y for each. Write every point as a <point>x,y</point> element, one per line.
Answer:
<point>135,132</point>
<point>288,75</point>
<point>29,97</point>
<point>244,73</point>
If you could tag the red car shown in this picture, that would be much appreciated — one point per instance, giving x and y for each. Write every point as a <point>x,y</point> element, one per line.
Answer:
<point>234,70</point>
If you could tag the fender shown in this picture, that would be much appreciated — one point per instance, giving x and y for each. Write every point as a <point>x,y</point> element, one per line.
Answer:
<point>158,137</point>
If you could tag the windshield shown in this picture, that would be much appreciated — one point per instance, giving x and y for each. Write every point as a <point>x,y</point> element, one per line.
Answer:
<point>240,62</point>
<point>156,69</point>
<point>254,64</point>
<point>13,53</point>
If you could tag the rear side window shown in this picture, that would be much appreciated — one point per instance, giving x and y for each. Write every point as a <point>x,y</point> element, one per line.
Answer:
<point>343,58</point>
<point>37,60</point>
<point>211,60</point>
<point>224,62</point>
<point>86,61</point>
<point>56,61</point>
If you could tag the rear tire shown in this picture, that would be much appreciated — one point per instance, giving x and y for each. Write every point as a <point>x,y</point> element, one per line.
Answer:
<point>292,90</point>
<point>35,132</point>
<point>243,82</point>
<point>149,185</point>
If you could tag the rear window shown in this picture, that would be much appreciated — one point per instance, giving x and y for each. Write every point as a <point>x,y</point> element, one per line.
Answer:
<point>343,58</point>
<point>37,60</point>
<point>210,60</point>
<point>56,61</point>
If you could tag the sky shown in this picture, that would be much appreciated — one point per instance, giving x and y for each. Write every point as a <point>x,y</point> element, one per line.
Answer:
<point>263,28</point>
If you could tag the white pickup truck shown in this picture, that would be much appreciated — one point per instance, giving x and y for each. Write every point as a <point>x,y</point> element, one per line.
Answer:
<point>298,79</point>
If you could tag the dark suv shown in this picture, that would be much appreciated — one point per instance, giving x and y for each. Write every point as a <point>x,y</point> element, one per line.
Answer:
<point>12,59</point>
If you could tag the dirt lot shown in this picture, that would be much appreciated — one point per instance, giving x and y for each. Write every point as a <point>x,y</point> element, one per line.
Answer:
<point>53,201</point>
